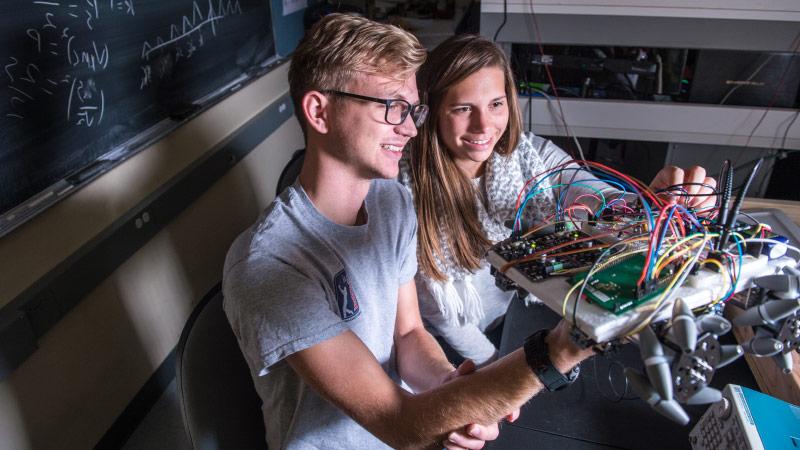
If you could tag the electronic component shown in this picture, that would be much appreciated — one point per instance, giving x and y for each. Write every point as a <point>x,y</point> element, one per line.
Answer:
<point>775,318</point>
<point>745,78</point>
<point>775,247</point>
<point>747,420</point>
<point>614,288</point>
<point>649,269</point>
<point>681,360</point>
<point>550,253</point>
<point>599,72</point>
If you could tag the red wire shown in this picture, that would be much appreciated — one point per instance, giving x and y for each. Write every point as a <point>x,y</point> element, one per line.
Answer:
<point>652,244</point>
<point>636,184</point>
<point>547,70</point>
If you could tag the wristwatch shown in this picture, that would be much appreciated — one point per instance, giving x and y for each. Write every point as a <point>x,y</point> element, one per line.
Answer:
<point>538,359</point>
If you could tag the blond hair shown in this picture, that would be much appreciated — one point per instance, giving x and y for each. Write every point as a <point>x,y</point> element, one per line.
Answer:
<point>443,195</point>
<point>339,46</point>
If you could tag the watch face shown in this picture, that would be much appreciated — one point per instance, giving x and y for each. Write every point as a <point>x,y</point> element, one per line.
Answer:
<point>572,375</point>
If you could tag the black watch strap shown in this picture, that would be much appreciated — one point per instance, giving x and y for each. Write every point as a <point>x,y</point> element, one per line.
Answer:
<point>538,358</point>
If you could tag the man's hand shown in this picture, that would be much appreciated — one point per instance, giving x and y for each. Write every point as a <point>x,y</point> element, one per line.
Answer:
<point>694,182</point>
<point>473,436</point>
<point>564,353</point>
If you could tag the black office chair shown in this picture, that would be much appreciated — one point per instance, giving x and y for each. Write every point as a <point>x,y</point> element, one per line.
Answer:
<point>290,171</point>
<point>219,404</point>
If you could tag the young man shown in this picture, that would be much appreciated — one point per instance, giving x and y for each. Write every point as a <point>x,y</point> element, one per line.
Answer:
<point>320,291</point>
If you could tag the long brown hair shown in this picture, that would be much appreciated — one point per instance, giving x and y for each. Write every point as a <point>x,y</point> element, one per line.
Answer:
<point>443,195</point>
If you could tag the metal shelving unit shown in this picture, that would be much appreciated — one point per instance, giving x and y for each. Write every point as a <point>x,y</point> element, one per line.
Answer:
<point>765,25</point>
<point>665,122</point>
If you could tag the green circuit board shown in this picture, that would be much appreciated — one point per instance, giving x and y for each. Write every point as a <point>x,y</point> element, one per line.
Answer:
<point>614,287</point>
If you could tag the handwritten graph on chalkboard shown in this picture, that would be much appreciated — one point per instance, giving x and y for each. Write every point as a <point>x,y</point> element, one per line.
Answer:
<point>85,81</point>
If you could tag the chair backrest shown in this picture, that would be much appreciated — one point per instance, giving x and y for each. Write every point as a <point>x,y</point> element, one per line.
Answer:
<point>219,404</point>
<point>290,171</point>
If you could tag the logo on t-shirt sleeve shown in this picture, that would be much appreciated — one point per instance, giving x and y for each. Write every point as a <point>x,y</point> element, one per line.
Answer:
<point>345,297</point>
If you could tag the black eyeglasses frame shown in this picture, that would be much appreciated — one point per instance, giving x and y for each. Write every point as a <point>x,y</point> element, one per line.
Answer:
<point>387,102</point>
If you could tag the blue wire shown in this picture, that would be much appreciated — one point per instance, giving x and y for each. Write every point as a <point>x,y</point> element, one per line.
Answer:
<point>659,242</point>
<point>533,191</point>
<point>530,193</point>
<point>601,176</point>
<point>579,183</point>
<point>517,219</point>
<point>739,271</point>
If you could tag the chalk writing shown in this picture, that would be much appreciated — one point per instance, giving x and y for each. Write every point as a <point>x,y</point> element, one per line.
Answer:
<point>88,79</point>
<point>189,26</point>
<point>93,59</point>
<point>68,52</point>
<point>86,102</point>
<point>53,37</point>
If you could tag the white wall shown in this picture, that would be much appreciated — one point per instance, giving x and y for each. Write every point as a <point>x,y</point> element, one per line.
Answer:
<point>91,363</point>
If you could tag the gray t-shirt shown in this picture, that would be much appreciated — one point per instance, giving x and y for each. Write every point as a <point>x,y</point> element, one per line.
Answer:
<point>295,279</point>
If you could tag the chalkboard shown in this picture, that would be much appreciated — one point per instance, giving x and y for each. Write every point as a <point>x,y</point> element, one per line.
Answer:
<point>87,81</point>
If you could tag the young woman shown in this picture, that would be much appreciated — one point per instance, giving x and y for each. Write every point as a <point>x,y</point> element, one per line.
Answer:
<point>465,170</point>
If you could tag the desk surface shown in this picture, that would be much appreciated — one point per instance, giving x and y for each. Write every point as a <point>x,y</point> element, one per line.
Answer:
<point>584,416</point>
<point>788,207</point>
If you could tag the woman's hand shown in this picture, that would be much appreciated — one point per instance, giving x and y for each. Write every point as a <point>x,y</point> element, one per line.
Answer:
<point>691,188</point>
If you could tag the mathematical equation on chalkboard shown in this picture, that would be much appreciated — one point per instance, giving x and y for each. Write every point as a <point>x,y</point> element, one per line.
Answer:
<point>85,84</point>
<point>66,59</point>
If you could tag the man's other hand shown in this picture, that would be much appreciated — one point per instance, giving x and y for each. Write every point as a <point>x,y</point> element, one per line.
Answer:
<point>473,436</point>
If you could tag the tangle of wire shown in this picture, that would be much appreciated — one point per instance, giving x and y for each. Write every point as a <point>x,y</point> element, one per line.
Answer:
<point>658,226</point>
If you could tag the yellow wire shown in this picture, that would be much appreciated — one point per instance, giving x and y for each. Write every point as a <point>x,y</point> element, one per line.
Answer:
<point>676,256</point>
<point>617,257</point>
<point>724,273</point>
<point>566,298</point>
<point>741,239</point>
<point>597,269</point>
<point>681,242</point>
<point>655,306</point>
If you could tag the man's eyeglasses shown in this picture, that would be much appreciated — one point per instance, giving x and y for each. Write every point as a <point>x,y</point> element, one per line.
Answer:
<point>396,109</point>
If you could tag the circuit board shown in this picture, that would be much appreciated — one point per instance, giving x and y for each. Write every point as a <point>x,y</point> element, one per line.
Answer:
<point>614,287</point>
<point>547,262</point>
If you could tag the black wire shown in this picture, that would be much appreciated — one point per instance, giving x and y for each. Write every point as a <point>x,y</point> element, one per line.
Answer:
<point>678,186</point>
<point>755,221</point>
<point>684,193</point>
<point>780,155</point>
<point>505,18</point>
<point>576,438</point>
<point>778,88</point>
<point>723,208</point>
<point>788,127</point>
<point>624,87</point>
<point>737,204</point>
<point>619,397</point>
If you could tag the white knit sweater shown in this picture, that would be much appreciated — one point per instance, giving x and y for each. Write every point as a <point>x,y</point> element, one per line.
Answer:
<point>464,306</point>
